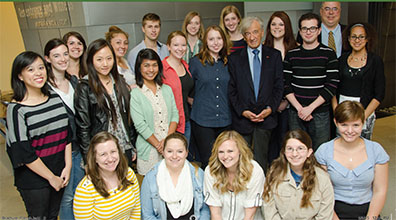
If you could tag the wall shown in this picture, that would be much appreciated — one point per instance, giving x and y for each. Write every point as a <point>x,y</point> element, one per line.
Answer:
<point>11,42</point>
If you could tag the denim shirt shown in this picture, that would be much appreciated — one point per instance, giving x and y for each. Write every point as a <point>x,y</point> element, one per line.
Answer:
<point>153,207</point>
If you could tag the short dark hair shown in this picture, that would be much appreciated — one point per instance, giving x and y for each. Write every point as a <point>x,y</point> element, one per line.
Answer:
<point>147,54</point>
<point>309,16</point>
<point>150,17</point>
<point>21,61</point>
<point>177,136</point>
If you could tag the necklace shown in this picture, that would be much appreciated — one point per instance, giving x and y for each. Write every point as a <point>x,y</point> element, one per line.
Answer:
<point>354,71</point>
<point>107,83</point>
<point>356,59</point>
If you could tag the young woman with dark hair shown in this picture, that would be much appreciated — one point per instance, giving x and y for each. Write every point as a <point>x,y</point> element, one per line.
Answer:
<point>76,44</point>
<point>38,138</point>
<point>57,57</point>
<point>153,110</point>
<point>297,187</point>
<point>102,100</point>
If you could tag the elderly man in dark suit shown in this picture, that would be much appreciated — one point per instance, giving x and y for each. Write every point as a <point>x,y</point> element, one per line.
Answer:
<point>255,89</point>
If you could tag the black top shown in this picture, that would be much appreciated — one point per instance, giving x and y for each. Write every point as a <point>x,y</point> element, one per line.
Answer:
<point>352,81</point>
<point>187,84</point>
<point>188,216</point>
<point>238,45</point>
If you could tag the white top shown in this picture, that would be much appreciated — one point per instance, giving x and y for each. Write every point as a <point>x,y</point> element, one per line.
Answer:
<point>233,205</point>
<point>127,73</point>
<point>67,98</point>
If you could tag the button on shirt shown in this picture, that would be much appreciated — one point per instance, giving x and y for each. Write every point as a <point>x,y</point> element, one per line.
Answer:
<point>210,107</point>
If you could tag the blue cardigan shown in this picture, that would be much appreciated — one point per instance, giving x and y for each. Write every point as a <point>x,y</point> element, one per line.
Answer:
<point>143,117</point>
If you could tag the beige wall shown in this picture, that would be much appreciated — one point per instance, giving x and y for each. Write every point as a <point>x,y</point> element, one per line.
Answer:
<point>11,42</point>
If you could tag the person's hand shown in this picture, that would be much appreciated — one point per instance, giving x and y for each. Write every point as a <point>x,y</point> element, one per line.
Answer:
<point>263,114</point>
<point>65,175</point>
<point>56,182</point>
<point>305,113</point>
<point>282,106</point>
<point>134,156</point>
<point>251,116</point>
<point>160,146</point>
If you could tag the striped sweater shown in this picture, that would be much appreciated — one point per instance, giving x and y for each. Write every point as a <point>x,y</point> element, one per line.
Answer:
<point>89,204</point>
<point>310,73</point>
<point>38,131</point>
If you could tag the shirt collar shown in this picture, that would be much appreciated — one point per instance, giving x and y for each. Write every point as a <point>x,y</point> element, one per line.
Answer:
<point>326,30</point>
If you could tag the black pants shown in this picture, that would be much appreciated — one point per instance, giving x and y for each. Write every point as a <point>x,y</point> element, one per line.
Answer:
<point>277,135</point>
<point>347,211</point>
<point>258,140</point>
<point>42,203</point>
<point>204,138</point>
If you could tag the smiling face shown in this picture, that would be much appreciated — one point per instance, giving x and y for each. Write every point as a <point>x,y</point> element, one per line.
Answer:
<point>34,75</point>
<point>76,47</point>
<point>59,58</point>
<point>350,131</point>
<point>107,156</point>
<point>358,38</point>
<point>149,70</point>
<point>253,35</point>
<point>231,22</point>
<point>193,26</point>
<point>103,61</point>
<point>330,12</point>
<point>215,42</point>
<point>119,42</point>
<point>228,154</point>
<point>175,153</point>
<point>151,30</point>
<point>177,47</point>
<point>296,153</point>
<point>277,28</point>
<point>310,37</point>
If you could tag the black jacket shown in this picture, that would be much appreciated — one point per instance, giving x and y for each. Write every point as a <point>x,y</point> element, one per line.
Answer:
<point>90,119</point>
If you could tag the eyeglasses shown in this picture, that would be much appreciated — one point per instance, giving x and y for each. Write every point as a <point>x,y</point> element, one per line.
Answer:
<point>298,149</point>
<point>328,9</point>
<point>354,37</point>
<point>311,29</point>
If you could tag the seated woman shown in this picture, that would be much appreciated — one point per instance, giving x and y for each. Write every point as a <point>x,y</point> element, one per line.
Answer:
<point>297,187</point>
<point>153,109</point>
<point>234,182</point>
<point>358,167</point>
<point>110,189</point>
<point>177,182</point>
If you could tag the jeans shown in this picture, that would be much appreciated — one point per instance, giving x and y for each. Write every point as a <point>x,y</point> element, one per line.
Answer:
<point>76,174</point>
<point>318,127</point>
<point>42,203</point>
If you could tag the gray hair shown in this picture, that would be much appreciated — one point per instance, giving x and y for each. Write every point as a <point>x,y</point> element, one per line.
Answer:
<point>247,22</point>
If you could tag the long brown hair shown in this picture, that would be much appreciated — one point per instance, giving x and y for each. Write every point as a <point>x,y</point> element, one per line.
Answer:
<point>244,168</point>
<point>189,16</point>
<point>278,169</point>
<point>288,40</point>
<point>371,36</point>
<point>99,90</point>
<point>204,55</point>
<point>93,169</point>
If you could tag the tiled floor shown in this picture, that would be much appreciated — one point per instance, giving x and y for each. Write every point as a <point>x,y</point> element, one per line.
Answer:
<point>11,204</point>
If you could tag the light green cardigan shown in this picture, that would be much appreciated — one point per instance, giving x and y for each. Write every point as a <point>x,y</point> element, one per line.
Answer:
<point>143,117</point>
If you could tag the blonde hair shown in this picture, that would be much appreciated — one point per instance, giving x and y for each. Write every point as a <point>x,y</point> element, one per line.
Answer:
<point>244,168</point>
<point>189,16</point>
<point>174,34</point>
<point>228,10</point>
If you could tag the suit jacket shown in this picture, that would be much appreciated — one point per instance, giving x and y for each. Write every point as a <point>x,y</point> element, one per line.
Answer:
<point>241,89</point>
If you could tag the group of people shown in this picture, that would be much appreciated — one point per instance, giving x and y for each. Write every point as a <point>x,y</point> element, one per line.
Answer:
<point>223,97</point>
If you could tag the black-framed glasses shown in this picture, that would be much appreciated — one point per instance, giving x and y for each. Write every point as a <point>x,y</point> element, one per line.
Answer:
<point>328,9</point>
<point>311,29</point>
<point>354,37</point>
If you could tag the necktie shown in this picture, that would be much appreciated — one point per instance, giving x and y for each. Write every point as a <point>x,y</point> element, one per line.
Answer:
<point>332,42</point>
<point>256,72</point>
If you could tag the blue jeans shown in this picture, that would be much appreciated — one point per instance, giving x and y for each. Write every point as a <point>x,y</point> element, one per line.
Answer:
<point>76,175</point>
<point>187,131</point>
<point>318,127</point>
